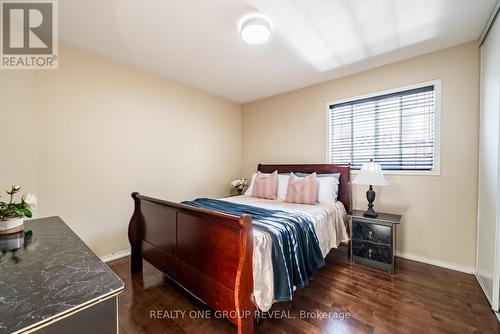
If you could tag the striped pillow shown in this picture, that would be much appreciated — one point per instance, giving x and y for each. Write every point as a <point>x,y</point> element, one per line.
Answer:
<point>266,185</point>
<point>302,190</point>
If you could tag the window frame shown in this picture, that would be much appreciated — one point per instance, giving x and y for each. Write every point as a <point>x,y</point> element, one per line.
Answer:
<point>436,165</point>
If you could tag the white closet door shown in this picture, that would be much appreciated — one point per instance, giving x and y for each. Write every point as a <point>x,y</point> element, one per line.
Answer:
<point>488,228</point>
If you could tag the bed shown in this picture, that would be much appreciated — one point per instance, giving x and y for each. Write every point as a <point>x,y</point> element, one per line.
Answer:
<point>330,227</point>
<point>220,258</point>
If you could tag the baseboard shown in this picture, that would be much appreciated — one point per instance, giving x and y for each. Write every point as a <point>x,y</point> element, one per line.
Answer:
<point>498,315</point>
<point>442,264</point>
<point>437,263</point>
<point>488,297</point>
<point>115,256</point>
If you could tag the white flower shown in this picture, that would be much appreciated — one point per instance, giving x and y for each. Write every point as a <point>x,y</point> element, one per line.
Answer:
<point>29,200</point>
<point>239,183</point>
<point>16,188</point>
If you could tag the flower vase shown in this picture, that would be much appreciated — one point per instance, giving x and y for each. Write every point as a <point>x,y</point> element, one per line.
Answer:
<point>13,225</point>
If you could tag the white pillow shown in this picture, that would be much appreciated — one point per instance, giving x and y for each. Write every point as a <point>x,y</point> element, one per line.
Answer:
<point>282,186</point>
<point>250,187</point>
<point>328,188</point>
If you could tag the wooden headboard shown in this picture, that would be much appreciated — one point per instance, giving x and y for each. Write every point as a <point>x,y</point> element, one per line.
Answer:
<point>344,170</point>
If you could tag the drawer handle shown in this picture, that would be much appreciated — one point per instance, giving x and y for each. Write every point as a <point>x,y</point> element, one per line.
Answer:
<point>370,252</point>
<point>370,235</point>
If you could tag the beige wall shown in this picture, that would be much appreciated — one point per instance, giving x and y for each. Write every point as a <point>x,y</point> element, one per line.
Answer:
<point>439,224</point>
<point>18,132</point>
<point>107,129</point>
<point>95,130</point>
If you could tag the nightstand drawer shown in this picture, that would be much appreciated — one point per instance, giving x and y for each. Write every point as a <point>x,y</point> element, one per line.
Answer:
<point>372,251</point>
<point>371,232</point>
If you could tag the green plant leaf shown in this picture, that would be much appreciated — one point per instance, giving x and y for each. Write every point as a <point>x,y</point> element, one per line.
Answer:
<point>27,213</point>
<point>12,210</point>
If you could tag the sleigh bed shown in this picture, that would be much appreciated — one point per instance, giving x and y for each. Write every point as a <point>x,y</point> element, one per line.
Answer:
<point>210,253</point>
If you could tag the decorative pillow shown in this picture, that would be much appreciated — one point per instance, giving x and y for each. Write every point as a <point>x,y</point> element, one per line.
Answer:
<point>282,186</point>
<point>302,190</point>
<point>265,185</point>
<point>328,187</point>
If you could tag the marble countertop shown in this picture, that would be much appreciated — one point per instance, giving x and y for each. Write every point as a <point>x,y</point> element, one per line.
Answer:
<point>52,274</point>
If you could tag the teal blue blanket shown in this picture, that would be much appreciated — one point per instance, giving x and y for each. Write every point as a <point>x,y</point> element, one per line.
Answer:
<point>296,254</point>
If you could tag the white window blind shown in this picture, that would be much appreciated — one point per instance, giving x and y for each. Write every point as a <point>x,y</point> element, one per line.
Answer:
<point>396,130</point>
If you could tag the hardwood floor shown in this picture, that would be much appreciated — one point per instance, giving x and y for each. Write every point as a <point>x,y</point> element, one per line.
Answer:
<point>419,298</point>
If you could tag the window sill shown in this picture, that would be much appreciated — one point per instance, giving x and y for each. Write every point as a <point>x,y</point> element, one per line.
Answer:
<point>406,172</point>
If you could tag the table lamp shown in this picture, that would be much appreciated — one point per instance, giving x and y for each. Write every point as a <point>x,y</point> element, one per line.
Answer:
<point>370,174</point>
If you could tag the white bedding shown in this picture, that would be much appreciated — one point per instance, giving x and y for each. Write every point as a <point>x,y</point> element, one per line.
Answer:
<point>330,225</point>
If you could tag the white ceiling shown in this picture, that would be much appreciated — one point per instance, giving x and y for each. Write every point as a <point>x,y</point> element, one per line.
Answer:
<point>197,42</point>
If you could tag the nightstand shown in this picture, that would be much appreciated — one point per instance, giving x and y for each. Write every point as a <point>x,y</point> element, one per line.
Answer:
<point>233,193</point>
<point>374,240</point>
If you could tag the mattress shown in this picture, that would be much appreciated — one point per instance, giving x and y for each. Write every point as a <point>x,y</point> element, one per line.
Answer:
<point>330,226</point>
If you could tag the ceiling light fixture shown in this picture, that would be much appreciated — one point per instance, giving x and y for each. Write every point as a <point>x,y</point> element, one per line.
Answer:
<point>255,30</point>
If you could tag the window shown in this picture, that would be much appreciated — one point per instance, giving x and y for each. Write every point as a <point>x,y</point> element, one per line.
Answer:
<point>398,129</point>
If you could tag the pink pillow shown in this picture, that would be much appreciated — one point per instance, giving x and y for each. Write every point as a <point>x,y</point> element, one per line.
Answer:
<point>266,185</point>
<point>302,190</point>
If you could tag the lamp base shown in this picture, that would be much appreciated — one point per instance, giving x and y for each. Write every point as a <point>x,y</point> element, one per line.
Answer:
<point>370,196</point>
<point>370,213</point>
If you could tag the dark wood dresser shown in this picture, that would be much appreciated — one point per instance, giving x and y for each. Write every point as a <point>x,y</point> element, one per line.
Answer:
<point>52,283</point>
<point>374,239</point>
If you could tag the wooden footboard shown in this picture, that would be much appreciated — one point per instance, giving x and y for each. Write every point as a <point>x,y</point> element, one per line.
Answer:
<point>208,253</point>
